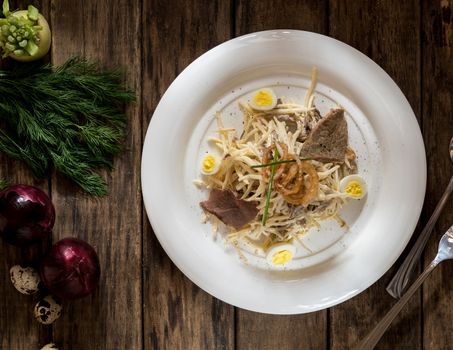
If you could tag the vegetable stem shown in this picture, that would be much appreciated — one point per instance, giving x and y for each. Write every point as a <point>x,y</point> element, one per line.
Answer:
<point>33,13</point>
<point>269,187</point>
<point>276,163</point>
<point>6,8</point>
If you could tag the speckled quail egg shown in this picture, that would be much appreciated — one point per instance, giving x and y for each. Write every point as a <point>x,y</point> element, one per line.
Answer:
<point>48,310</point>
<point>50,346</point>
<point>354,186</point>
<point>263,99</point>
<point>210,164</point>
<point>280,254</point>
<point>25,279</point>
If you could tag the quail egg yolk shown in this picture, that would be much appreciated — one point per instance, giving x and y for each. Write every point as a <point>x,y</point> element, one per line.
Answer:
<point>209,165</point>
<point>354,186</point>
<point>354,189</point>
<point>282,257</point>
<point>263,98</point>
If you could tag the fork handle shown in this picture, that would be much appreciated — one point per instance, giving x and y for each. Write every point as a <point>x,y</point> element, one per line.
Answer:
<point>398,283</point>
<point>370,341</point>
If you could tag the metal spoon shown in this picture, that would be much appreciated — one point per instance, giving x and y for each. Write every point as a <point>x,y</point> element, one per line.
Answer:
<point>444,252</point>
<point>398,283</point>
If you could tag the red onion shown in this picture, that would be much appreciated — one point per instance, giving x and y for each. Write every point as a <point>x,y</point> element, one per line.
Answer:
<point>27,214</point>
<point>71,269</point>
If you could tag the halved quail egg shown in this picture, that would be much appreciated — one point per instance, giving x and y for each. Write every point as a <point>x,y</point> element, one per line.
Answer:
<point>354,186</point>
<point>280,254</point>
<point>263,99</point>
<point>210,164</point>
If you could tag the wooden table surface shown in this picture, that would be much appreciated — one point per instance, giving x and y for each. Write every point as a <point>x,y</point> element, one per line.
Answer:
<point>144,301</point>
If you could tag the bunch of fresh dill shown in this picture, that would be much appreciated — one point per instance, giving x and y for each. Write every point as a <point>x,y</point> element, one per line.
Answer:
<point>69,118</point>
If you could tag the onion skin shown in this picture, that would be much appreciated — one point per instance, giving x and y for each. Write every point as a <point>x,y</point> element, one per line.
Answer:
<point>27,215</point>
<point>71,269</point>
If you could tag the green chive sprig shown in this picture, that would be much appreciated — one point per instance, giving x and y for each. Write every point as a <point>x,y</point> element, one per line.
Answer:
<point>269,187</point>
<point>276,163</point>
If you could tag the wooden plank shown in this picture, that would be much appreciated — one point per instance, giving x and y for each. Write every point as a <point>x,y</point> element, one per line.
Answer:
<point>388,32</point>
<point>177,314</point>
<point>260,331</point>
<point>438,129</point>
<point>255,15</point>
<point>18,328</point>
<point>112,317</point>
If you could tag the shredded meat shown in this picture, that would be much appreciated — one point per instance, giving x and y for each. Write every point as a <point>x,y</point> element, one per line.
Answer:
<point>292,124</point>
<point>230,210</point>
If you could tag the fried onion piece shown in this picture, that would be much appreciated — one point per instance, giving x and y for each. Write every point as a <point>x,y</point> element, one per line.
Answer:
<point>308,191</point>
<point>298,182</point>
<point>268,158</point>
<point>291,180</point>
<point>350,154</point>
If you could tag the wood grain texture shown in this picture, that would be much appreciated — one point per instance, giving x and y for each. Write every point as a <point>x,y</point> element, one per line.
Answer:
<point>259,331</point>
<point>387,32</point>
<point>111,318</point>
<point>144,301</point>
<point>437,131</point>
<point>256,15</point>
<point>177,314</point>
<point>18,328</point>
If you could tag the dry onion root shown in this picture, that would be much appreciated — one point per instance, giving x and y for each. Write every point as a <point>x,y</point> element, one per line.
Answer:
<point>297,182</point>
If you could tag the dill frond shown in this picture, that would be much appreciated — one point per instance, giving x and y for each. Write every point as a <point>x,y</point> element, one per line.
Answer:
<point>70,118</point>
<point>3,184</point>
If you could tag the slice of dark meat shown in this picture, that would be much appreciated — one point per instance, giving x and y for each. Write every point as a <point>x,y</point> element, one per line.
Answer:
<point>328,140</point>
<point>230,210</point>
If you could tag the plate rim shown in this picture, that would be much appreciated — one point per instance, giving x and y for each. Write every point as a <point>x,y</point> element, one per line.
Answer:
<point>147,201</point>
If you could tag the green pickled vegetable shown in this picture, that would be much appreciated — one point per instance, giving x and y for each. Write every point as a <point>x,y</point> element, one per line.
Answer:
<point>24,35</point>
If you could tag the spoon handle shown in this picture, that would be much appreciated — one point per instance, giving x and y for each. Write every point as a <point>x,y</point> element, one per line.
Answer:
<point>370,341</point>
<point>398,283</point>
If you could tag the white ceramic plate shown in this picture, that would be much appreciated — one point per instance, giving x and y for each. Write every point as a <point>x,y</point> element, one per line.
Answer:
<point>383,130</point>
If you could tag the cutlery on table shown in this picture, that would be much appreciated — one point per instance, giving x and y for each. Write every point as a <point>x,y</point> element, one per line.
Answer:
<point>398,284</point>
<point>444,252</point>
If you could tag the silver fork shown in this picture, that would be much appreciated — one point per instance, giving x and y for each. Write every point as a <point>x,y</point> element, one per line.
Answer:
<point>444,252</point>
<point>398,283</point>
